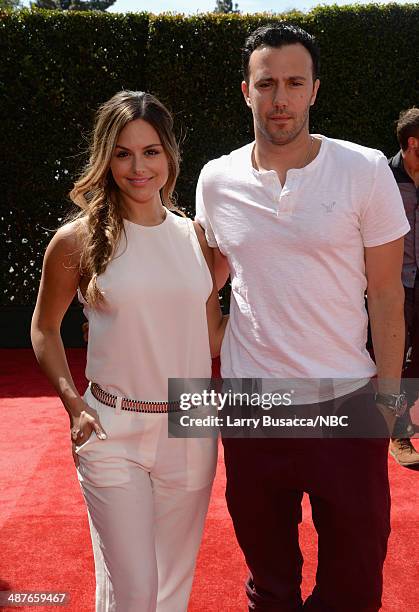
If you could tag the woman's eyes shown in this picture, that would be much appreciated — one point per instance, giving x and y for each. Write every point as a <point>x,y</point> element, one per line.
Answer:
<point>148,153</point>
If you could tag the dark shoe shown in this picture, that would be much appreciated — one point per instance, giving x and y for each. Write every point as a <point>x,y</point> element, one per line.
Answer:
<point>404,453</point>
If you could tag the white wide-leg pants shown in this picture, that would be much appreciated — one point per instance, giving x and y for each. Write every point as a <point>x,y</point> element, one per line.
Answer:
<point>147,497</point>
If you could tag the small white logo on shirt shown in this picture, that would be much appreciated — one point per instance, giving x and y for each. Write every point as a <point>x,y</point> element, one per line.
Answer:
<point>329,207</point>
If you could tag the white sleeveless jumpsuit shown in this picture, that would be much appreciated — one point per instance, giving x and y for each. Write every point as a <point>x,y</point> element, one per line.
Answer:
<point>147,494</point>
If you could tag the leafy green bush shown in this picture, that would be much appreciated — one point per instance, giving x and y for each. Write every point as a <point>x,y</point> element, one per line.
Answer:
<point>58,67</point>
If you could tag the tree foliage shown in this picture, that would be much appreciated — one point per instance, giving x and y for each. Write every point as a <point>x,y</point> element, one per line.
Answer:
<point>226,6</point>
<point>10,4</point>
<point>73,5</point>
<point>57,67</point>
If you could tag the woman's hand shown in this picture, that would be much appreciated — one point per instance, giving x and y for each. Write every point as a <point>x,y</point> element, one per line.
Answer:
<point>82,426</point>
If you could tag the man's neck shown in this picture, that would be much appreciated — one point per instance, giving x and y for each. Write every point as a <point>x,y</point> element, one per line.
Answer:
<point>410,169</point>
<point>281,158</point>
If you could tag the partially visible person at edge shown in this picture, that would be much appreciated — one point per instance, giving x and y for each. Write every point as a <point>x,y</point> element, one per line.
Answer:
<point>144,276</point>
<point>405,168</point>
<point>305,224</point>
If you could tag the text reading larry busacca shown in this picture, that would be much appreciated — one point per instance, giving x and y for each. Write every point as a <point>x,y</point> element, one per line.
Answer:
<point>266,401</point>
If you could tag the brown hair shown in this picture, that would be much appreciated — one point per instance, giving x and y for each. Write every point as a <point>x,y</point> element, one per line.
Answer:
<point>278,35</point>
<point>96,193</point>
<point>407,126</point>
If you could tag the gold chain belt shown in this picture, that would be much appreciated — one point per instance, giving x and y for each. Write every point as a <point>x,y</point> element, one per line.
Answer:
<point>131,405</point>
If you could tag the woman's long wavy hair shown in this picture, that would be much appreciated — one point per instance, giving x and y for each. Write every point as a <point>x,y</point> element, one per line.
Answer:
<point>96,193</point>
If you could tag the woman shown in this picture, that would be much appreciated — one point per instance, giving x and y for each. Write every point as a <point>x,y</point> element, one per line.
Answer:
<point>144,276</point>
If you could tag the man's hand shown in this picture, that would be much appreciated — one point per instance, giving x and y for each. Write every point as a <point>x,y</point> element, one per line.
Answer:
<point>389,417</point>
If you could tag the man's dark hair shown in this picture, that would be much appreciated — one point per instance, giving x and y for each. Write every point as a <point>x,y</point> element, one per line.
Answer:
<point>407,126</point>
<point>278,35</point>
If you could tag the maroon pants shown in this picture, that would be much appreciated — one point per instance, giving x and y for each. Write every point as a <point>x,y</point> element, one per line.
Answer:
<point>347,482</point>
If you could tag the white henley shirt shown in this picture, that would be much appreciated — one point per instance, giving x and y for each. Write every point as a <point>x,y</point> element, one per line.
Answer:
<point>296,255</point>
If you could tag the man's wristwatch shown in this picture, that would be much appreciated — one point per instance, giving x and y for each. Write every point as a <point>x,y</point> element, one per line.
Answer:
<point>396,402</point>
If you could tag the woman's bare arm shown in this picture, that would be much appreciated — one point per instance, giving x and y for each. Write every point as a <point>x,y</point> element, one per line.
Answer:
<point>59,282</point>
<point>215,319</point>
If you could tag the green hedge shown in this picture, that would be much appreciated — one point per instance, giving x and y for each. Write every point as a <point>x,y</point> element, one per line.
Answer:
<point>57,67</point>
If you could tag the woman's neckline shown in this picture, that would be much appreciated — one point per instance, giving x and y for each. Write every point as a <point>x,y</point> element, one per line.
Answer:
<point>149,227</point>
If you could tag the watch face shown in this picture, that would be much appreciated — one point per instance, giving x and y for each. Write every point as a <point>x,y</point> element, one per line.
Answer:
<point>401,404</point>
<point>397,403</point>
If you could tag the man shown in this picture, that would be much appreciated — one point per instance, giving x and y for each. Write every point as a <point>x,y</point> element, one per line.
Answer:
<point>304,223</point>
<point>405,168</point>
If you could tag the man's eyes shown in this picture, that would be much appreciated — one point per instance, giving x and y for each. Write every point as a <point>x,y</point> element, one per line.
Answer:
<point>267,84</point>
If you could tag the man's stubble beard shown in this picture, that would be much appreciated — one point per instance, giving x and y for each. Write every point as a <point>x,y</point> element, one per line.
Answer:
<point>287,136</point>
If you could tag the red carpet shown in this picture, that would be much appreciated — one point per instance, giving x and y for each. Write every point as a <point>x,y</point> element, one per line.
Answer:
<point>45,543</point>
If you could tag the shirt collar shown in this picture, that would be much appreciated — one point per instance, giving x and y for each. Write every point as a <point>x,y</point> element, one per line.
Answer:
<point>248,152</point>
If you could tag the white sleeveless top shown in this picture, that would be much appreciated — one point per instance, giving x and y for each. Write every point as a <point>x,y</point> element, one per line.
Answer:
<point>152,325</point>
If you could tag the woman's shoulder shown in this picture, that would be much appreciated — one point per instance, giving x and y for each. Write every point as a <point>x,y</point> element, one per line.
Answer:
<point>68,239</point>
<point>185,222</point>
<point>188,227</point>
<point>178,220</point>
<point>177,212</point>
<point>71,230</point>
